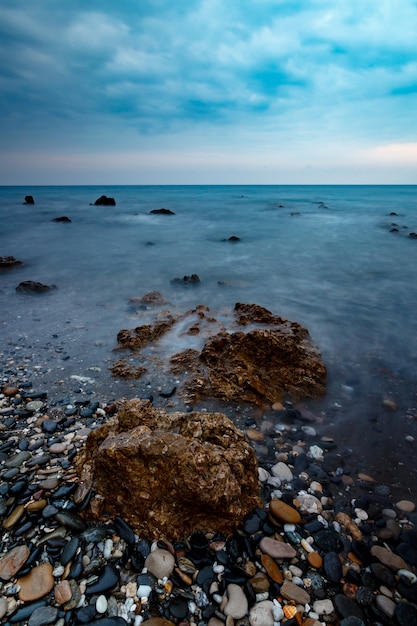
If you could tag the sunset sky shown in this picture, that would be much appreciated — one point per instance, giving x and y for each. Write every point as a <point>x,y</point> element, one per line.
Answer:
<point>208,91</point>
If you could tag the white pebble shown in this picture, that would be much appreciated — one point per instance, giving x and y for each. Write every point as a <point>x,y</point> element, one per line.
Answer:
<point>315,453</point>
<point>409,438</point>
<point>277,611</point>
<point>405,572</point>
<point>263,475</point>
<point>260,597</point>
<point>218,569</point>
<point>58,571</point>
<point>108,546</point>
<point>361,514</point>
<point>144,591</point>
<point>289,528</point>
<point>309,430</point>
<point>101,604</point>
<point>138,620</point>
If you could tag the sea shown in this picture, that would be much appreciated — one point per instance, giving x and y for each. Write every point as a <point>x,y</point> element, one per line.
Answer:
<point>340,260</point>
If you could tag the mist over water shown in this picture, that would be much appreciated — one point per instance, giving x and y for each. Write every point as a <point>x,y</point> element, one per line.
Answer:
<point>323,256</point>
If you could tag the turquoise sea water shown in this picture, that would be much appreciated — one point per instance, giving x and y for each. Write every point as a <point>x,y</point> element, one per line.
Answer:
<point>325,256</point>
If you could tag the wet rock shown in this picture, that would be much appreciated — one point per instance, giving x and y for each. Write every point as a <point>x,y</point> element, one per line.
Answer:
<point>388,558</point>
<point>235,602</point>
<point>63,219</point>
<point>37,584</point>
<point>180,472</point>
<point>293,592</point>
<point>277,549</point>
<point>105,201</point>
<point>161,212</point>
<point>160,563</point>
<point>13,561</point>
<point>29,200</point>
<point>31,287</point>
<point>192,279</point>
<point>283,512</point>
<point>8,262</point>
<point>405,614</point>
<point>42,616</point>
<point>262,614</point>
<point>332,567</point>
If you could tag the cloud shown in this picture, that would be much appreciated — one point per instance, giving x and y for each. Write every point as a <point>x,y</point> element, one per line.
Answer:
<point>78,76</point>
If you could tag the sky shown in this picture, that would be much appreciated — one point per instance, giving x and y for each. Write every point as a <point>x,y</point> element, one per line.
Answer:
<point>208,92</point>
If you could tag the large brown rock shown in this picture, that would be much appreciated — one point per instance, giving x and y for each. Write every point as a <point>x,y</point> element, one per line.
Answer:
<point>169,474</point>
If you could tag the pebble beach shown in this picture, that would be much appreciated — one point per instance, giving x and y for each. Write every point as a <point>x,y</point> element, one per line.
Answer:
<point>331,545</point>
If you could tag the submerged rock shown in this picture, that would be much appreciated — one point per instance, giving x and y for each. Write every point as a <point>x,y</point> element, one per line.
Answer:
<point>32,287</point>
<point>176,472</point>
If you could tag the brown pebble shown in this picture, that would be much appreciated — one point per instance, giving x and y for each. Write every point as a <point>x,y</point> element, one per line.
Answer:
<point>12,561</point>
<point>405,506</point>
<point>314,559</point>
<point>272,568</point>
<point>63,592</point>
<point>390,404</point>
<point>10,391</point>
<point>37,583</point>
<point>14,516</point>
<point>366,478</point>
<point>36,505</point>
<point>259,582</point>
<point>254,435</point>
<point>277,549</point>
<point>277,406</point>
<point>284,512</point>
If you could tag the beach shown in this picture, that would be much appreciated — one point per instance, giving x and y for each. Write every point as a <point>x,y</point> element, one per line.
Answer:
<point>324,257</point>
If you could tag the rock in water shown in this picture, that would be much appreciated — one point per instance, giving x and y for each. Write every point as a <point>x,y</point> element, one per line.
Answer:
<point>177,472</point>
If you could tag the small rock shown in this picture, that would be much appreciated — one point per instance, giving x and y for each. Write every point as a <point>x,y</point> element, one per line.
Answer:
<point>160,563</point>
<point>12,562</point>
<point>405,506</point>
<point>293,592</point>
<point>386,605</point>
<point>235,602</point>
<point>323,607</point>
<point>262,614</point>
<point>37,583</point>
<point>284,512</point>
<point>277,549</point>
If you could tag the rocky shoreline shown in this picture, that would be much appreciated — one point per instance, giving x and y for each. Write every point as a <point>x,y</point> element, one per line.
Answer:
<point>329,545</point>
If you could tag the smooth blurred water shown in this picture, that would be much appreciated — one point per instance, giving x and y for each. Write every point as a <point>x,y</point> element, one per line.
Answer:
<point>321,255</point>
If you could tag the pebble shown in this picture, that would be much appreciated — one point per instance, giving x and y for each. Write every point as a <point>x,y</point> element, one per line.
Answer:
<point>160,563</point>
<point>37,583</point>
<point>340,558</point>
<point>234,602</point>
<point>283,512</point>
<point>13,561</point>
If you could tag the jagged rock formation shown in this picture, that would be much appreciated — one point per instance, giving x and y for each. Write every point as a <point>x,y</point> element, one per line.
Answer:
<point>169,474</point>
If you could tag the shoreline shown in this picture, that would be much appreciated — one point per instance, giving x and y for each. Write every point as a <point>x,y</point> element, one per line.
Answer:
<point>337,483</point>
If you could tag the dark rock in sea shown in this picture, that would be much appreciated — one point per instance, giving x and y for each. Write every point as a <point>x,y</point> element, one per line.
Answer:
<point>33,288</point>
<point>105,201</point>
<point>413,235</point>
<point>29,200</point>
<point>7,262</point>
<point>233,238</point>
<point>161,212</point>
<point>64,219</point>
<point>193,279</point>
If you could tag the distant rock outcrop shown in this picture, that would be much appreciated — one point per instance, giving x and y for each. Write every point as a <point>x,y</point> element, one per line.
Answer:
<point>193,279</point>
<point>8,262</point>
<point>29,200</point>
<point>63,219</point>
<point>105,201</point>
<point>176,472</point>
<point>161,212</point>
<point>33,288</point>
